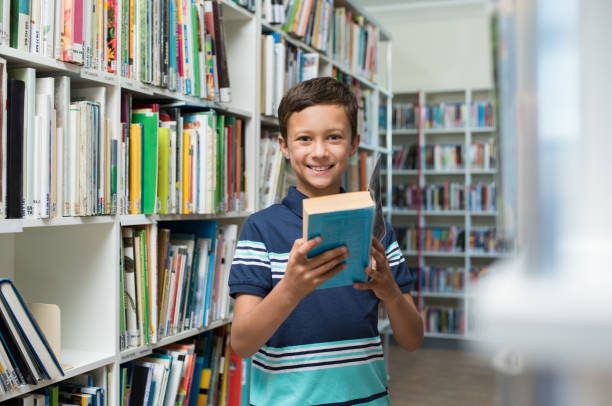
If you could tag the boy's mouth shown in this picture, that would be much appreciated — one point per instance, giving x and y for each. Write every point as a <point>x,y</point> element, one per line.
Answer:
<point>320,169</point>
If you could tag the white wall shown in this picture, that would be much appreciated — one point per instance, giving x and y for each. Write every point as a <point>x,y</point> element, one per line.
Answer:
<point>436,44</point>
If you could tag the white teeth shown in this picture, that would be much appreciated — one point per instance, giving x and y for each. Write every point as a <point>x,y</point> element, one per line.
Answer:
<point>320,168</point>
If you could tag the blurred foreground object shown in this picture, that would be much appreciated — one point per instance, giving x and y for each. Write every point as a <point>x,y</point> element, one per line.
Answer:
<point>553,304</point>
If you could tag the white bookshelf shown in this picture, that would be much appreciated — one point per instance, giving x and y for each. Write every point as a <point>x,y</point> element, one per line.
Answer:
<point>74,262</point>
<point>463,219</point>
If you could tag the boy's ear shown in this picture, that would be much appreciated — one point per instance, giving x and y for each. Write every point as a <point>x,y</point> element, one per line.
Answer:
<point>284,147</point>
<point>355,144</point>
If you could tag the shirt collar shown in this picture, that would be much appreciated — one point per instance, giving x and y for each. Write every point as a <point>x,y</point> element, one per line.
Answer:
<point>294,199</point>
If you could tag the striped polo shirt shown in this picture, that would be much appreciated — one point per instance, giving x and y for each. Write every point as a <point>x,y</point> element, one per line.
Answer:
<point>328,351</point>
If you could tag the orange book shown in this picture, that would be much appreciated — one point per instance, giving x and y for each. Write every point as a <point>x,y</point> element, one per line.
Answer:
<point>363,173</point>
<point>135,167</point>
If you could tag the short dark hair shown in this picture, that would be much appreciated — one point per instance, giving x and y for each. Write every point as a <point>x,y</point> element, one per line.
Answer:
<point>324,90</point>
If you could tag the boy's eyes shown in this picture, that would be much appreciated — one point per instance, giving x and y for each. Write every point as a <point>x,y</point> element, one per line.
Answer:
<point>335,137</point>
<point>306,138</point>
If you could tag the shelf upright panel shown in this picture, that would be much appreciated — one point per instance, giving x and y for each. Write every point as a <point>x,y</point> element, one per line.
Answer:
<point>468,219</point>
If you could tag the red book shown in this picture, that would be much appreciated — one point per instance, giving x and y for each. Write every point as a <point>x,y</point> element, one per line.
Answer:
<point>229,161</point>
<point>363,185</point>
<point>238,182</point>
<point>446,201</point>
<point>235,379</point>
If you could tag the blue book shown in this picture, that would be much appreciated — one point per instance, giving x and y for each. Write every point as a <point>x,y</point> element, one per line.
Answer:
<point>195,382</point>
<point>201,229</point>
<point>350,226</point>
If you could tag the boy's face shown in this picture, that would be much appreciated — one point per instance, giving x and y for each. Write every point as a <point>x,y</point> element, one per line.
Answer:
<point>319,147</point>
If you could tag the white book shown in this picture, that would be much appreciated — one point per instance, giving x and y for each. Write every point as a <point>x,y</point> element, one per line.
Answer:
<point>36,176</point>
<point>202,248</point>
<point>161,370</point>
<point>193,138</point>
<point>86,33</point>
<point>280,51</point>
<point>212,162</point>
<point>269,77</point>
<point>174,380</point>
<point>35,25</point>
<point>202,164</point>
<point>97,95</point>
<point>72,159</point>
<point>169,297</point>
<point>229,245</point>
<point>172,186</point>
<point>58,31</point>
<point>48,28</point>
<point>5,28</point>
<point>310,70</point>
<point>129,284</point>
<point>45,96</point>
<point>267,14</point>
<point>61,105</point>
<point>59,161</point>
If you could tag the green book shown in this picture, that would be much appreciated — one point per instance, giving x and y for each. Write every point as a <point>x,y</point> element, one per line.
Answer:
<point>220,163</point>
<point>149,121</point>
<point>196,51</point>
<point>145,285</point>
<point>20,25</point>
<point>163,168</point>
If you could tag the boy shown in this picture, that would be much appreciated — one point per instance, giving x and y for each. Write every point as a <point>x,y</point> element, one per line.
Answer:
<point>315,346</point>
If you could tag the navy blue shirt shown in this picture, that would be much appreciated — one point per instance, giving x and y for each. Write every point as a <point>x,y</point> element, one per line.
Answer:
<point>328,350</point>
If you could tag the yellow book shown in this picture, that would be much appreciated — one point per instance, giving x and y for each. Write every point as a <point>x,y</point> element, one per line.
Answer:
<point>226,361</point>
<point>135,164</point>
<point>186,186</point>
<point>204,387</point>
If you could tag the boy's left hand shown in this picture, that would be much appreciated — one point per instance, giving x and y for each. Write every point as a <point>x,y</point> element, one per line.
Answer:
<point>381,280</point>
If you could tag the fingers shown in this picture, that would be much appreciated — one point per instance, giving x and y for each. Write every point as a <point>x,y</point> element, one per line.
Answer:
<point>330,262</point>
<point>377,245</point>
<point>307,245</point>
<point>364,286</point>
<point>328,255</point>
<point>330,274</point>
<point>380,258</point>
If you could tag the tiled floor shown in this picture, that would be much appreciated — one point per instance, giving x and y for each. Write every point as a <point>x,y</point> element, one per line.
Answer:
<point>440,377</point>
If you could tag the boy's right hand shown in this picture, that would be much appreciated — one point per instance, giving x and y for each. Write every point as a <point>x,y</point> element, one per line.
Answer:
<point>303,275</point>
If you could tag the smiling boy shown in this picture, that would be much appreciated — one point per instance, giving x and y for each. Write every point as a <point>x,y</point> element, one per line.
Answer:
<point>314,347</point>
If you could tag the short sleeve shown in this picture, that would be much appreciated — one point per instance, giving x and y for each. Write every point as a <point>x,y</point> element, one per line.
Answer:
<point>398,266</point>
<point>250,272</point>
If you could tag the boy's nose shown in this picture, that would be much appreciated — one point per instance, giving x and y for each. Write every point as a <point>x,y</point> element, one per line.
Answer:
<point>319,149</point>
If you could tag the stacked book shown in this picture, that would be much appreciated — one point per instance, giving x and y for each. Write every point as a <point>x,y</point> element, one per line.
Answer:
<point>76,31</point>
<point>309,20</point>
<point>441,280</point>
<point>482,197</point>
<point>431,239</point>
<point>482,155</point>
<point>445,320</point>
<point>178,285</point>
<point>203,371</point>
<point>26,356</point>
<point>175,44</point>
<point>482,115</point>
<point>180,163</point>
<point>441,157</point>
<point>355,43</point>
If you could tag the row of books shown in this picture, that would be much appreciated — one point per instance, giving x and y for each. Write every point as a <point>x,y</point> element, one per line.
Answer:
<point>486,239</point>
<point>441,280</point>
<point>447,196</point>
<point>405,116</point>
<point>283,66</point>
<point>309,20</point>
<point>459,115</point>
<point>179,45</point>
<point>446,320</point>
<point>445,156</point>
<point>272,165</point>
<point>186,288</point>
<point>83,390</point>
<point>203,371</point>
<point>355,43</point>
<point>58,152</point>
<point>179,162</point>
<point>365,105</point>
<point>437,239</point>
<point>26,356</point>
<point>60,157</point>
<point>482,155</point>
<point>76,31</point>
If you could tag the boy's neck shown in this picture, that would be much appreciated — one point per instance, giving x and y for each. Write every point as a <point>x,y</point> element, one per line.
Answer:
<point>314,192</point>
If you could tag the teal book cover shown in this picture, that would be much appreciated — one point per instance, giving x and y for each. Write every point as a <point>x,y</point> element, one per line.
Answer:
<point>350,227</point>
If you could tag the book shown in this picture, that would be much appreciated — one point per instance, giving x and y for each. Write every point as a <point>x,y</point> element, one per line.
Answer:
<point>16,313</point>
<point>351,227</point>
<point>15,148</point>
<point>3,136</point>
